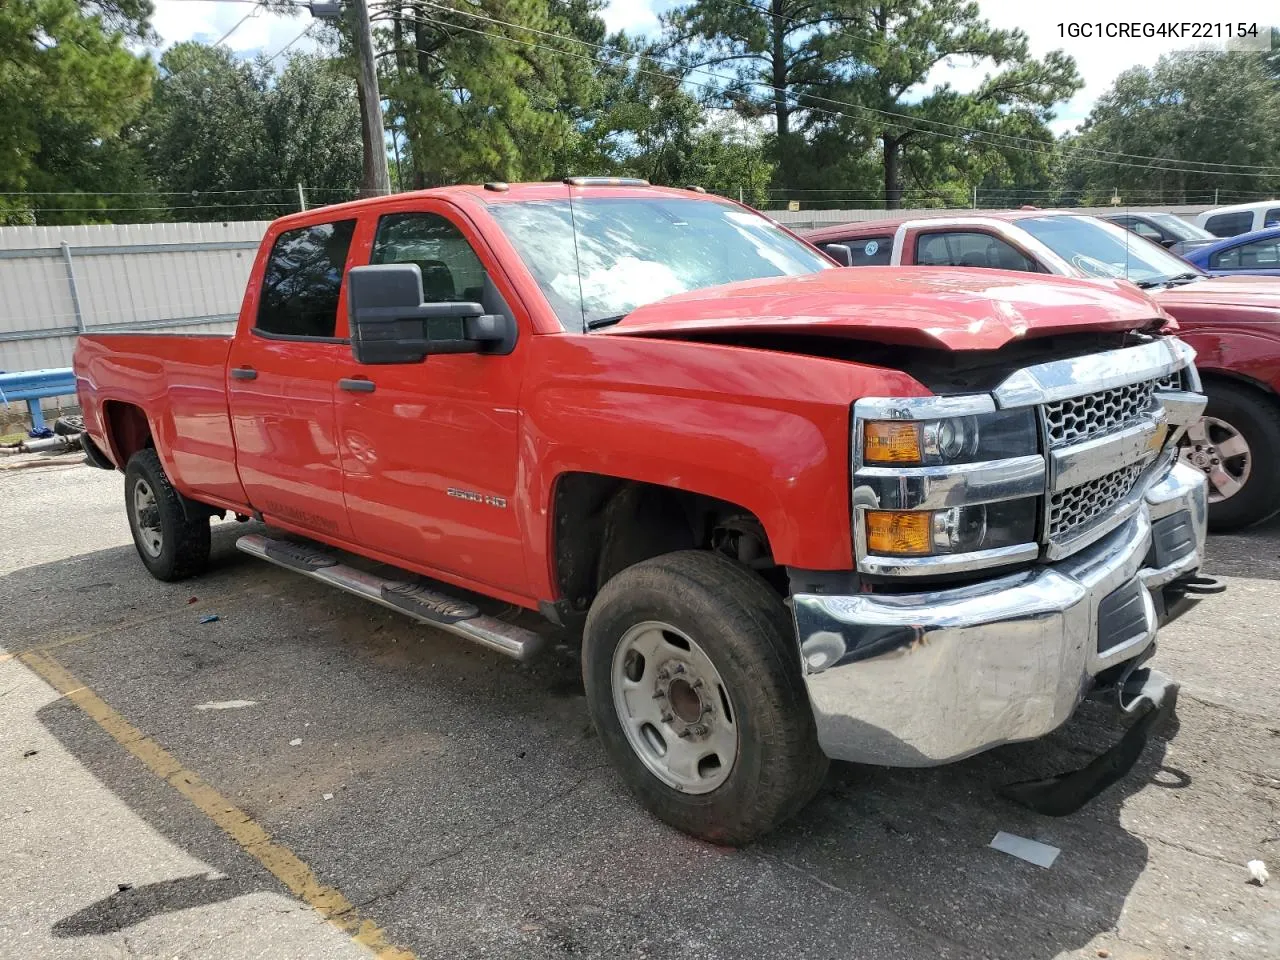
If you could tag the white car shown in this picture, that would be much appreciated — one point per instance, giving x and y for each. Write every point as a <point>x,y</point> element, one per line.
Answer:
<point>1240,218</point>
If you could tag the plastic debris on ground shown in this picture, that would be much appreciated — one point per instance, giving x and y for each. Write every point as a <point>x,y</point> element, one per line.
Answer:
<point>211,618</point>
<point>226,704</point>
<point>327,796</point>
<point>295,742</point>
<point>1032,851</point>
<point>1258,872</point>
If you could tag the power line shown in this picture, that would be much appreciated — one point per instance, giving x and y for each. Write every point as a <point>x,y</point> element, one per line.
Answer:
<point>287,46</point>
<point>257,9</point>
<point>904,119</point>
<point>164,193</point>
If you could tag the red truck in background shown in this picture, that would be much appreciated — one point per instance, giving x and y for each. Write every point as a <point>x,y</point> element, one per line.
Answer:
<point>1232,322</point>
<point>795,512</point>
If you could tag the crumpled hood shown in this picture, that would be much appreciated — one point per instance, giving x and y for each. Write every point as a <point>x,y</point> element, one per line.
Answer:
<point>947,308</point>
<point>1249,291</point>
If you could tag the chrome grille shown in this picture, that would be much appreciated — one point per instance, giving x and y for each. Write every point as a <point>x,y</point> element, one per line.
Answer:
<point>1078,506</point>
<point>1079,418</point>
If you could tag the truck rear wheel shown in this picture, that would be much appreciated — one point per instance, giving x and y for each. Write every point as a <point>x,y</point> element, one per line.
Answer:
<point>694,684</point>
<point>171,546</point>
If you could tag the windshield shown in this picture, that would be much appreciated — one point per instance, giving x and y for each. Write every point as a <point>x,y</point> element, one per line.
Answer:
<point>1181,228</point>
<point>1100,249</point>
<point>636,251</point>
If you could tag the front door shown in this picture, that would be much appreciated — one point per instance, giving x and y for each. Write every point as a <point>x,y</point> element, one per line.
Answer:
<point>430,449</point>
<point>282,374</point>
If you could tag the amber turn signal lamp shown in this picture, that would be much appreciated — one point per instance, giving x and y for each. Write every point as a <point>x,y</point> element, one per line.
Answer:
<point>888,441</point>
<point>898,532</point>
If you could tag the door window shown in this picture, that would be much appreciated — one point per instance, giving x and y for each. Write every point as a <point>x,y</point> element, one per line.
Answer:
<point>1258,255</point>
<point>1272,219</point>
<point>302,281</point>
<point>870,251</point>
<point>1230,224</point>
<point>1143,229</point>
<point>451,271</point>
<point>961,249</point>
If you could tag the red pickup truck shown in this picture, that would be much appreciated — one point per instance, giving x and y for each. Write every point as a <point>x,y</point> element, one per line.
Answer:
<point>794,512</point>
<point>1232,322</point>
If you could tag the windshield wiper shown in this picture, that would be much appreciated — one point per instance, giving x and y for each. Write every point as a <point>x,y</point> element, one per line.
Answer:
<point>1177,279</point>
<point>599,322</point>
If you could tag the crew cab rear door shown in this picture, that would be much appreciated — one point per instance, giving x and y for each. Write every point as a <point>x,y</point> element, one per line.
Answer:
<point>429,449</point>
<point>288,354</point>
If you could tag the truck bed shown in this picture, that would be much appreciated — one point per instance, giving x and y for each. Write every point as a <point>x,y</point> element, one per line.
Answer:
<point>179,380</point>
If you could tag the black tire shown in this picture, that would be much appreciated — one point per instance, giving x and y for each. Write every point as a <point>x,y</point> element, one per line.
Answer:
<point>183,544</point>
<point>1256,417</point>
<point>744,628</point>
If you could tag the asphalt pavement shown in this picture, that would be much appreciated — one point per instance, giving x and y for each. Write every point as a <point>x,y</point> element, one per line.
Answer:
<point>309,775</point>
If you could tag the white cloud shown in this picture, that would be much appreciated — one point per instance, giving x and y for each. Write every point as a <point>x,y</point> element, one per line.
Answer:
<point>207,21</point>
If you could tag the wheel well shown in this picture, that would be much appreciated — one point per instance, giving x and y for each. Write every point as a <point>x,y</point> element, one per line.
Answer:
<point>1237,380</point>
<point>127,428</point>
<point>604,524</point>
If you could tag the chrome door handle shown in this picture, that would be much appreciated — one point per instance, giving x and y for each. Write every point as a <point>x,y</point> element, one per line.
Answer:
<point>352,385</point>
<point>244,373</point>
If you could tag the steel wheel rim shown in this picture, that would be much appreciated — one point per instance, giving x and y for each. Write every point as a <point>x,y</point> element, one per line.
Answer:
<point>674,707</point>
<point>146,518</point>
<point>1221,453</point>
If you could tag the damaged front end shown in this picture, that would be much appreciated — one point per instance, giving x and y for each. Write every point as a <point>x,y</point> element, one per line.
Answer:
<point>1094,539</point>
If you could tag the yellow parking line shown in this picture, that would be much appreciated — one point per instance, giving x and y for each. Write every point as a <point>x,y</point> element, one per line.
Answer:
<point>327,901</point>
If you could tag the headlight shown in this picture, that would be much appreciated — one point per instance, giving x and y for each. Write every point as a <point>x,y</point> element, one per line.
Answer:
<point>966,439</point>
<point>925,533</point>
<point>945,485</point>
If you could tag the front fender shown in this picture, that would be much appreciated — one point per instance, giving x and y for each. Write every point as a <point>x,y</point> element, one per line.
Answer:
<point>766,430</point>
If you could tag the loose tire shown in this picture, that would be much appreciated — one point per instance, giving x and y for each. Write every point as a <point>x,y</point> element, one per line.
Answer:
<point>721,679</point>
<point>1237,446</point>
<point>171,546</point>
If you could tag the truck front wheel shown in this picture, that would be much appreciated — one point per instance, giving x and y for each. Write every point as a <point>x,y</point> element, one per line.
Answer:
<point>171,545</point>
<point>693,682</point>
<point>1236,445</point>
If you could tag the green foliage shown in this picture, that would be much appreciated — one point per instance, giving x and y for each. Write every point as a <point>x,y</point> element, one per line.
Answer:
<point>473,106</point>
<point>221,124</point>
<point>69,84</point>
<point>845,77</point>
<point>1209,108</point>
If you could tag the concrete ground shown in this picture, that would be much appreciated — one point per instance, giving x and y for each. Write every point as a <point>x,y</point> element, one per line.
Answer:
<point>313,776</point>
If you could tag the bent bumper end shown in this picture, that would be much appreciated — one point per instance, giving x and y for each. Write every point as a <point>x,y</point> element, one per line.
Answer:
<point>927,678</point>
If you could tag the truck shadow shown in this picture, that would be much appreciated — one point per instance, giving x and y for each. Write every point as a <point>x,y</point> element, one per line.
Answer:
<point>472,808</point>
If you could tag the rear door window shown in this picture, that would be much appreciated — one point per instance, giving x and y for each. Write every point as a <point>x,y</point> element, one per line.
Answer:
<point>1258,255</point>
<point>1272,219</point>
<point>970,249</point>
<point>303,280</point>
<point>870,251</point>
<point>1230,224</point>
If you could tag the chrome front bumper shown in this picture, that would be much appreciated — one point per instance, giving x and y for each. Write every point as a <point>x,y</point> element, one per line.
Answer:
<point>926,678</point>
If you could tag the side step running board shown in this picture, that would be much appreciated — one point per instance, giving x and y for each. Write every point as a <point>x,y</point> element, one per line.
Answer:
<point>417,600</point>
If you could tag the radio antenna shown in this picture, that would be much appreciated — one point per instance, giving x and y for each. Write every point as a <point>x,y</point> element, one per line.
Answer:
<point>577,262</point>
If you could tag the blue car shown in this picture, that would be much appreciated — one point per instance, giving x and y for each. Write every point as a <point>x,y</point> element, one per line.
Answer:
<point>1250,253</point>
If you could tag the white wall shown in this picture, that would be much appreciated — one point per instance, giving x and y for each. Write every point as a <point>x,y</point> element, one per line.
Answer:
<point>170,276</point>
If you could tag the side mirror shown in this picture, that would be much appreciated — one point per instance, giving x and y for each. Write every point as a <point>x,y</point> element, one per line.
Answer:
<point>839,252</point>
<point>390,323</point>
<point>1168,243</point>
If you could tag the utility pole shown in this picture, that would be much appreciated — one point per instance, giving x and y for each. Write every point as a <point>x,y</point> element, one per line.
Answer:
<point>376,177</point>
<point>302,199</point>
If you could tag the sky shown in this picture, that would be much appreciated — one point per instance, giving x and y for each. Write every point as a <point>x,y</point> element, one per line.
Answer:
<point>1099,61</point>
